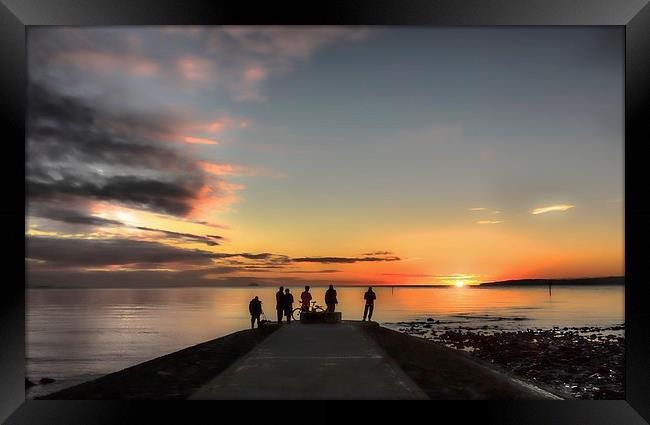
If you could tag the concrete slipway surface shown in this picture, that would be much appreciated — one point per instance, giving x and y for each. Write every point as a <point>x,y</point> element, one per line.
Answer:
<point>313,361</point>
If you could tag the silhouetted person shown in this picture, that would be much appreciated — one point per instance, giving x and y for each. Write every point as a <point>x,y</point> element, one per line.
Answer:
<point>305,299</point>
<point>255,308</point>
<point>330,299</point>
<point>370,298</point>
<point>279,303</point>
<point>288,304</point>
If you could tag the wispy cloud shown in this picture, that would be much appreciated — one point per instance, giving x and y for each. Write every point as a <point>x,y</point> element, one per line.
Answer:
<point>552,208</point>
<point>237,170</point>
<point>105,63</point>
<point>199,140</point>
<point>210,240</point>
<point>483,211</point>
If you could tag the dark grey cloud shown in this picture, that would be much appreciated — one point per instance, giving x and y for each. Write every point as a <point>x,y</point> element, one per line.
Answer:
<point>328,260</point>
<point>77,149</point>
<point>210,240</point>
<point>69,216</point>
<point>167,197</point>
<point>267,257</point>
<point>73,252</point>
<point>312,271</point>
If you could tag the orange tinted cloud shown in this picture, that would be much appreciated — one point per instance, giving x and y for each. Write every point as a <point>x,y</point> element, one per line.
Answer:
<point>224,169</point>
<point>218,124</point>
<point>216,196</point>
<point>214,127</point>
<point>199,140</point>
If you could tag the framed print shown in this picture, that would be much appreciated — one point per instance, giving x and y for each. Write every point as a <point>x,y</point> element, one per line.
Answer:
<point>434,201</point>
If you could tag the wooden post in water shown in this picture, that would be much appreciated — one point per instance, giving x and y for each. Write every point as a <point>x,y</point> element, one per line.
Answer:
<point>549,288</point>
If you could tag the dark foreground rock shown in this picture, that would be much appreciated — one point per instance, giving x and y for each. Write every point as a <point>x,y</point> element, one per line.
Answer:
<point>586,363</point>
<point>448,374</point>
<point>174,376</point>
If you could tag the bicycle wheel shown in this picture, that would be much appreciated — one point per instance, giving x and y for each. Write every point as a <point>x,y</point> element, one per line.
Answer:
<point>296,313</point>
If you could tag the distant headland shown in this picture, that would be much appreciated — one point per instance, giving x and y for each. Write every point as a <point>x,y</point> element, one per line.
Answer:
<point>586,281</point>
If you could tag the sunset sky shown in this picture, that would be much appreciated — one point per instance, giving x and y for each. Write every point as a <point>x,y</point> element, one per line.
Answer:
<point>404,155</point>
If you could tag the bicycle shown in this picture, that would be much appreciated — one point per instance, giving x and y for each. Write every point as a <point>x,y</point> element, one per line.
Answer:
<point>315,308</point>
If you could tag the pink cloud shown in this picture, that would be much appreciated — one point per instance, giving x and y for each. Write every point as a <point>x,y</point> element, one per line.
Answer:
<point>255,74</point>
<point>258,52</point>
<point>214,127</point>
<point>199,140</point>
<point>220,123</point>
<point>224,169</point>
<point>291,42</point>
<point>217,195</point>
<point>195,68</point>
<point>110,62</point>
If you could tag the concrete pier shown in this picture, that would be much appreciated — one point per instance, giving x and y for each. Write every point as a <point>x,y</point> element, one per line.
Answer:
<point>347,360</point>
<point>315,361</point>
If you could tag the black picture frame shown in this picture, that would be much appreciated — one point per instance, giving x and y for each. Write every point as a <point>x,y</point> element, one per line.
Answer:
<point>634,15</point>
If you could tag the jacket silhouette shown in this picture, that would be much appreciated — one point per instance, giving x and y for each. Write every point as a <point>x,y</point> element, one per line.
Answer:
<point>370,298</point>
<point>255,309</point>
<point>330,299</point>
<point>279,303</point>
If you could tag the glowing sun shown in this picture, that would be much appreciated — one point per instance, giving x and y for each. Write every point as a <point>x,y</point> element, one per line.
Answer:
<point>459,283</point>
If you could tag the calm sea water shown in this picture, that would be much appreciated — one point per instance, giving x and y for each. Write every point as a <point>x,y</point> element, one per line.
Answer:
<point>75,335</point>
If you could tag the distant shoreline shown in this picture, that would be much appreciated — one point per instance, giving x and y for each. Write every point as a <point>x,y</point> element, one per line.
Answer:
<point>586,281</point>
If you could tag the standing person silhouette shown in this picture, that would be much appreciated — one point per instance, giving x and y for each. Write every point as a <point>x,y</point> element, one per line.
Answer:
<point>255,309</point>
<point>305,299</point>
<point>330,299</point>
<point>370,298</point>
<point>288,304</point>
<point>279,303</point>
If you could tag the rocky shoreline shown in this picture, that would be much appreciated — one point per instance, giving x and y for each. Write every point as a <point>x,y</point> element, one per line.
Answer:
<point>584,363</point>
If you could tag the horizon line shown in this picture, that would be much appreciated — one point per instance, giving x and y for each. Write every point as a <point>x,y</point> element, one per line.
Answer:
<point>314,285</point>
